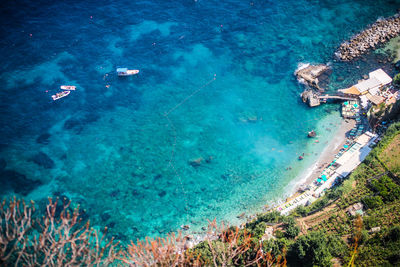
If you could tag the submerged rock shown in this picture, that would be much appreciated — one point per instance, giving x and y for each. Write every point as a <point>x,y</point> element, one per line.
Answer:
<point>43,139</point>
<point>209,159</point>
<point>78,124</point>
<point>3,164</point>
<point>157,177</point>
<point>42,159</point>
<point>114,193</point>
<point>196,162</point>
<point>105,216</point>
<point>17,182</point>
<point>162,193</point>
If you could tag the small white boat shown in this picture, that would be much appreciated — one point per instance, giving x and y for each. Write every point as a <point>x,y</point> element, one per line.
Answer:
<point>60,95</point>
<point>126,72</point>
<point>68,87</point>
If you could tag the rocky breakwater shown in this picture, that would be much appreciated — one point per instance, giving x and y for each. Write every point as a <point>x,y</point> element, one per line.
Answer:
<point>378,33</point>
<point>310,75</point>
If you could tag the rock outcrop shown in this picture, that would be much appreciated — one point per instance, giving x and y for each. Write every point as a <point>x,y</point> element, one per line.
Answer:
<point>42,159</point>
<point>310,74</point>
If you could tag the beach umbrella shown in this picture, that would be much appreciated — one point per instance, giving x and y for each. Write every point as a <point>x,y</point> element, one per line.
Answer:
<point>319,180</point>
<point>346,103</point>
<point>324,177</point>
<point>345,146</point>
<point>355,105</point>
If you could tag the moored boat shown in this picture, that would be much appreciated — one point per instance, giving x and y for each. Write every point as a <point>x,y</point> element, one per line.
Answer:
<point>126,72</point>
<point>68,87</point>
<point>60,95</point>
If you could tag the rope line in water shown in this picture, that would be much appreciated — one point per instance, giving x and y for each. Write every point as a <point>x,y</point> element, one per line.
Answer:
<point>191,95</point>
<point>171,159</point>
<point>170,163</point>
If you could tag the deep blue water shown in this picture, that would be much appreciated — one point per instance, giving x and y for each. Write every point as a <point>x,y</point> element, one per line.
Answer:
<point>216,84</point>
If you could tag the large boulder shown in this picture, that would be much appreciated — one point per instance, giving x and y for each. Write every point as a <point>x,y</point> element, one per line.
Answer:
<point>43,139</point>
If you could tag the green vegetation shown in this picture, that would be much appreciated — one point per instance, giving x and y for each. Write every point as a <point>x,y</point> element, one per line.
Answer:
<point>328,233</point>
<point>320,234</point>
<point>396,79</point>
<point>316,249</point>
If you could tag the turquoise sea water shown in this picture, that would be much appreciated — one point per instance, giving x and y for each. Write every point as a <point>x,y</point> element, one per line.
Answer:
<point>208,127</point>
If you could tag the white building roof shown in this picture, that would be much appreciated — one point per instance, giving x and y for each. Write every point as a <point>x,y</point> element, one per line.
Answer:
<point>346,157</point>
<point>353,157</point>
<point>381,76</point>
<point>374,91</point>
<point>363,139</point>
<point>368,84</point>
<point>353,161</point>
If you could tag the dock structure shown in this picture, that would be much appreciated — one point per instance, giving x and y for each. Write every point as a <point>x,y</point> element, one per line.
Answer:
<point>311,98</point>
<point>372,91</point>
<point>314,99</point>
<point>338,97</point>
<point>378,33</point>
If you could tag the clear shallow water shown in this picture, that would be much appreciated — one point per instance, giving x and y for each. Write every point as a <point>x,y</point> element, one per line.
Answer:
<point>215,84</point>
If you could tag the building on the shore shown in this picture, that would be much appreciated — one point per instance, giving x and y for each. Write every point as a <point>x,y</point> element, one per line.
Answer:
<point>347,162</point>
<point>356,154</point>
<point>370,91</point>
<point>340,168</point>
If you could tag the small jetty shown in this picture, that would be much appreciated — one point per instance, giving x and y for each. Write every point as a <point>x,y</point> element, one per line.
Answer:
<point>378,33</point>
<point>310,74</point>
<point>313,98</point>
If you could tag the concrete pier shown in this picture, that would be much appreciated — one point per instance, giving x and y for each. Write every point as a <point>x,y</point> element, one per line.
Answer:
<point>311,98</point>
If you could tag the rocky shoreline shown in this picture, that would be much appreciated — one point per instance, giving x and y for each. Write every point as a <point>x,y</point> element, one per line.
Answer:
<point>378,33</point>
<point>311,74</point>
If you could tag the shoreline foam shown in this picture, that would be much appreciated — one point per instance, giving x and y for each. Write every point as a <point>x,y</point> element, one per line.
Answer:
<point>326,156</point>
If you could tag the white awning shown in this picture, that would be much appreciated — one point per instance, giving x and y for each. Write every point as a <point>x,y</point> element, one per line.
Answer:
<point>381,76</point>
<point>368,84</point>
<point>353,161</point>
<point>363,139</point>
